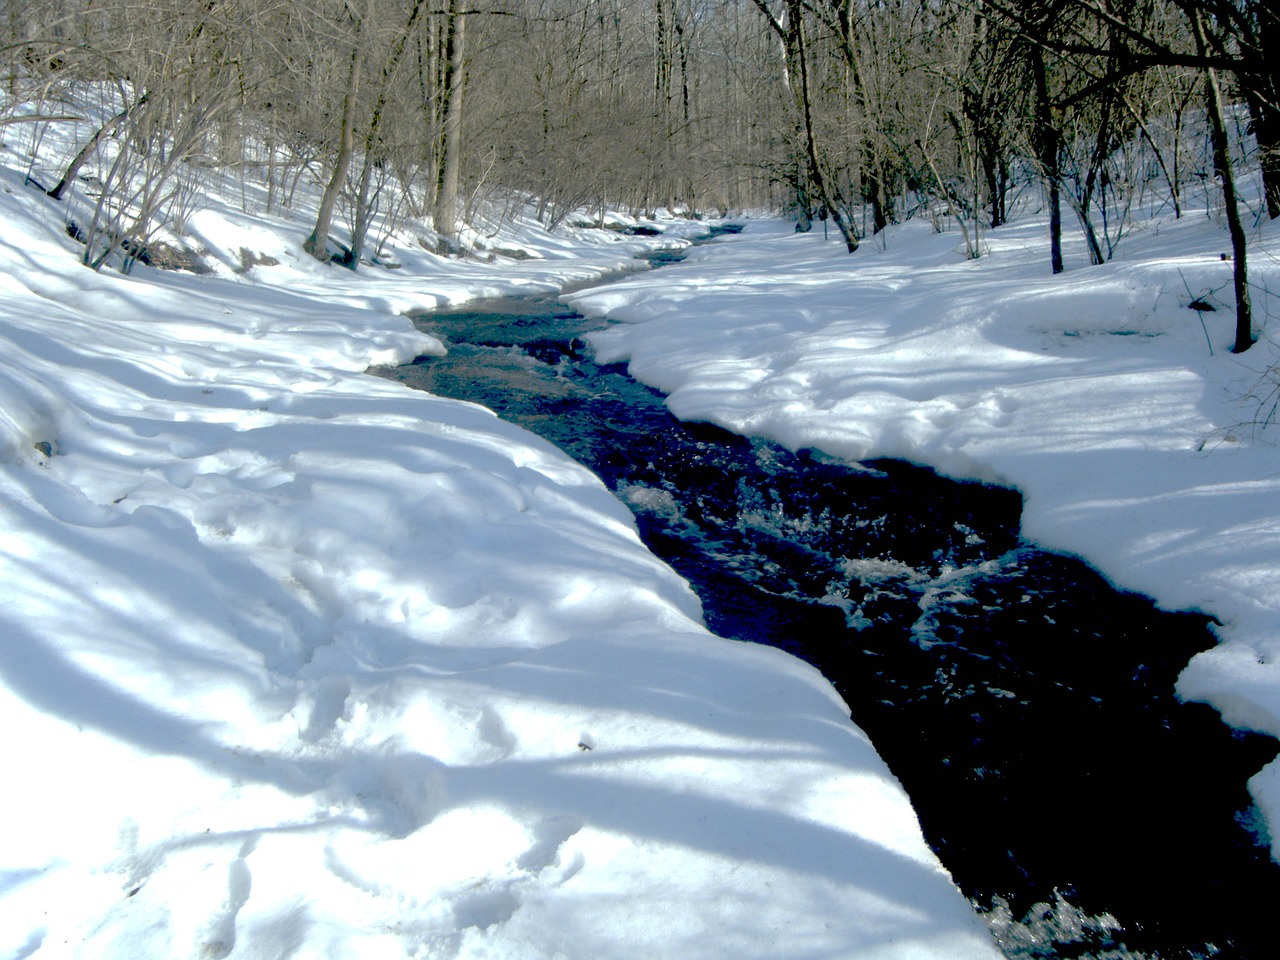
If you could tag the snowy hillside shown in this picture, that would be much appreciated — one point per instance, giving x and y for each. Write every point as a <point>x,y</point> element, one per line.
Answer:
<point>296,662</point>
<point>1139,441</point>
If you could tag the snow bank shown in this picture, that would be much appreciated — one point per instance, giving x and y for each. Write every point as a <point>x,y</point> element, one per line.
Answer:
<point>1121,415</point>
<point>296,662</point>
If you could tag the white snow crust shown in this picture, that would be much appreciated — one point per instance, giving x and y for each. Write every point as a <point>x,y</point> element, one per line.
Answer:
<point>298,662</point>
<point>1139,441</point>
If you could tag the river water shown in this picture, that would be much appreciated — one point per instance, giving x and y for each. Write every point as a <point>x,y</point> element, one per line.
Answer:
<point>1026,706</point>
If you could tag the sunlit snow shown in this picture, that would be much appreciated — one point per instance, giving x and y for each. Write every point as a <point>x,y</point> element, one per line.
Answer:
<point>1139,440</point>
<point>295,661</point>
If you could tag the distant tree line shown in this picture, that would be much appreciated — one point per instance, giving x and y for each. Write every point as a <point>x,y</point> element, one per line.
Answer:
<point>855,113</point>
<point>414,108</point>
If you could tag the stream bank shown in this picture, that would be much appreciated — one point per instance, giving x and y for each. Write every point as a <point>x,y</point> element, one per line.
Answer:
<point>1026,706</point>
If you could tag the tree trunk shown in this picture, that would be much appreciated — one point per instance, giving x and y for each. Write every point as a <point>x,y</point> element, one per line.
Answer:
<point>873,189</point>
<point>445,215</point>
<point>1222,162</point>
<point>1170,176</point>
<point>990,150</point>
<point>791,37</point>
<point>81,158</point>
<point>1239,244</point>
<point>1263,95</point>
<point>1102,148</point>
<point>317,243</point>
<point>364,206</point>
<point>874,177</point>
<point>996,174</point>
<point>1047,148</point>
<point>830,204</point>
<point>1265,120</point>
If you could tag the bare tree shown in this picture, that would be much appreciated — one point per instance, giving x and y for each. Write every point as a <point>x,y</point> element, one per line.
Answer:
<point>317,243</point>
<point>1222,162</point>
<point>1139,39</point>
<point>449,159</point>
<point>788,24</point>
<point>177,73</point>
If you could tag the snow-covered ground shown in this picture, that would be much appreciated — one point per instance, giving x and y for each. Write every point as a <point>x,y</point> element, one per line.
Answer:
<point>297,662</point>
<point>1137,438</point>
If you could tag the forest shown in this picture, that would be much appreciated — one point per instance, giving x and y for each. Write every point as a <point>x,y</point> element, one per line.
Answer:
<point>962,418</point>
<point>847,113</point>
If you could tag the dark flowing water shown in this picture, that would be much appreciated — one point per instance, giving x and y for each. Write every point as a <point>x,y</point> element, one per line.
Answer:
<point>1026,706</point>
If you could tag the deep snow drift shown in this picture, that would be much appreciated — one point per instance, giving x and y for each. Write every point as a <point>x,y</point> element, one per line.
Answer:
<point>295,661</point>
<point>1139,441</point>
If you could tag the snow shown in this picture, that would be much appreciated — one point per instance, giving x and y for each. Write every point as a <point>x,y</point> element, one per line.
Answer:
<point>297,662</point>
<point>1138,439</point>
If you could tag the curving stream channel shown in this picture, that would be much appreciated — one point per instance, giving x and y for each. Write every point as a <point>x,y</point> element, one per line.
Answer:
<point>1026,705</point>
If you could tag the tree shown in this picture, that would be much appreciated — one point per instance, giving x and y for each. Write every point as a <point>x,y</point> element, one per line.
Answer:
<point>1222,163</point>
<point>1047,142</point>
<point>374,147</point>
<point>789,26</point>
<point>317,243</point>
<point>1243,36</point>
<point>992,94</point>
<point>449,162</point>
<point>177,73</point>
<point>1215,33</point>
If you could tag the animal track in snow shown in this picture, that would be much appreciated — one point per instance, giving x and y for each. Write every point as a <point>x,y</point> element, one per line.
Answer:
<point>486,906</point>
<point>550,837</point>
<point>327,704</point>
<point>494,731</point>
<point>474,864</point>
<point>220,935</point>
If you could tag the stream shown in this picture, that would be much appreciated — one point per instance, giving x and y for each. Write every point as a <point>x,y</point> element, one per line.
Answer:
<point>1026,706</point>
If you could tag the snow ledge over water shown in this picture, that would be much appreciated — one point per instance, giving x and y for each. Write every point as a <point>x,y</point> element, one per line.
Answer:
<point>1136,436</point>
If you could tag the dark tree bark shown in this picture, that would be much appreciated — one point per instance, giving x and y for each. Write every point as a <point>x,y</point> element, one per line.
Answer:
<point>792,38</point>
<point>1048,151</point>
<point>839,17</point>
<point>445,214</point>
<point>1265,120</point>
<point>1248,31</point>
<point>108,129</point>
<point>317,243</point>
<point>372,140</point>
<point>991,90</point>
<point>1222,161</point>
<point>991,156</point>
<point>832,204</point>
<point>1262,91</point>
